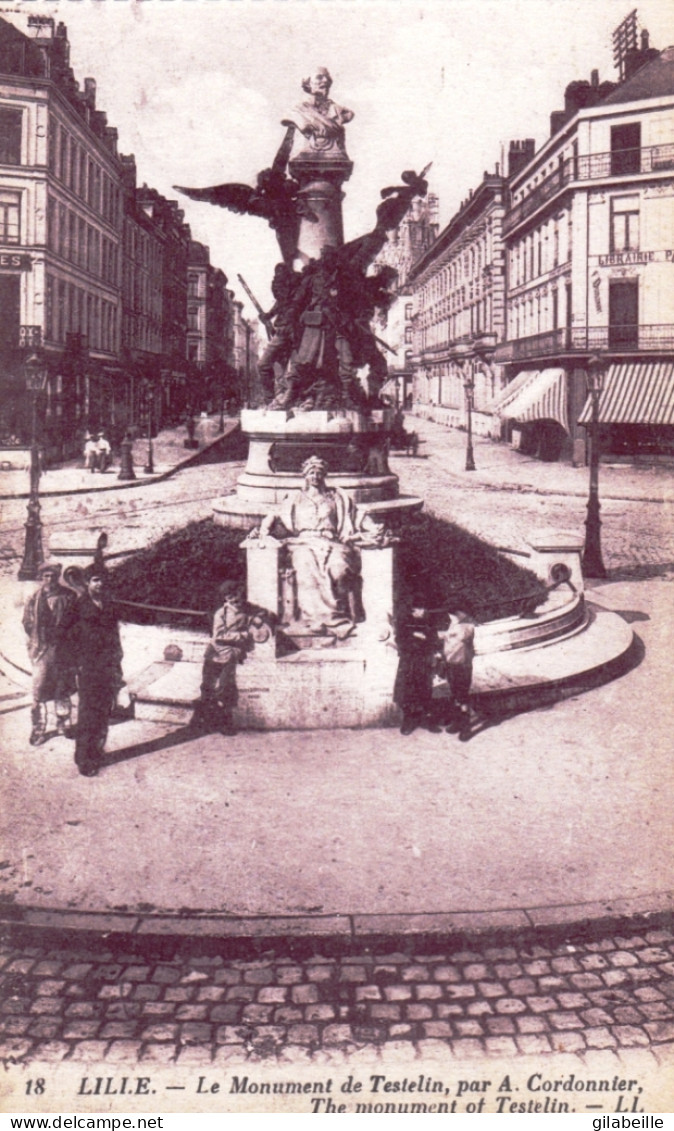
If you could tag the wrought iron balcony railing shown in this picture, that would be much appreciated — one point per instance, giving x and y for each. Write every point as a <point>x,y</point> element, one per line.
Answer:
<point>594,166</point>
<point>622,338</point>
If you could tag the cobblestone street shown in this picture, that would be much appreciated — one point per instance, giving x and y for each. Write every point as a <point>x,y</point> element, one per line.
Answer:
<point>127,1002</point>
<point>637,532</point>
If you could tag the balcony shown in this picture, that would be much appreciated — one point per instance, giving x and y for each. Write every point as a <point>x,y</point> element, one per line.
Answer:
<point>593,167</point>
<point>620,338</point>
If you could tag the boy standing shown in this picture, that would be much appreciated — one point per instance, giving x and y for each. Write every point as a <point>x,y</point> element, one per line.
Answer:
<point>458,649</point>
<point>417,641</point>
<point>229,643</point>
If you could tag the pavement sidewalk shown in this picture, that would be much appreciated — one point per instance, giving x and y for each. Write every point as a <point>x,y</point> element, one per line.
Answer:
<point>504,468</point>
<point>169,454</point>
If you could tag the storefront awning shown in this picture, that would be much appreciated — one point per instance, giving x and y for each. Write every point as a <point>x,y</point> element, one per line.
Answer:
<point>635,393</point>
<point>513,390</point>
<point>541,399</point>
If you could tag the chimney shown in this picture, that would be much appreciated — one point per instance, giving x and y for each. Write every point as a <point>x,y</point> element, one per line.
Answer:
<point>594,78</point>
<point>557,120</point>
<point>90,92</point>
<point>520,154</point>
<point>644,40</point>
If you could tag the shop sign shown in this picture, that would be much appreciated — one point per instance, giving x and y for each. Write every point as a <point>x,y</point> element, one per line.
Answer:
<point>14,261</point>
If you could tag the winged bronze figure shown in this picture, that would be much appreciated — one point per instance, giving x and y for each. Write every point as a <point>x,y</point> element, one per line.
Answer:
<point>274,198</point>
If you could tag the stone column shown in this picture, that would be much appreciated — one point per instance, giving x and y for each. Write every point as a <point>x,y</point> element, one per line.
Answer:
<point>321,189</point>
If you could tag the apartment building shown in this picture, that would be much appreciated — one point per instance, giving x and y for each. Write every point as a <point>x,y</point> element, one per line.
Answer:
<point>457,287</point>
<point>60,235</point>
<point>589,237</point>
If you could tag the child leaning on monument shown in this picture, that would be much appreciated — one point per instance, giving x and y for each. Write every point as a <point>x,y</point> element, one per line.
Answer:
<point>458,649</point>
<point>230,640</point>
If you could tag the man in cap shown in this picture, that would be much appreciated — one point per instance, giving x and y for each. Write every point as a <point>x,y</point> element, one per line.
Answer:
<point>93,637</point>
<point>229,643</point>
<point>45,620</point>
<point>417,640</point>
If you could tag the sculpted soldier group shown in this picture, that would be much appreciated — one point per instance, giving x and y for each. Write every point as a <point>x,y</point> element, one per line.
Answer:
<point>322,305</point>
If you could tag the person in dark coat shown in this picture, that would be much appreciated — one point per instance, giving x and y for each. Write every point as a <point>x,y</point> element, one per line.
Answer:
<point>417,641</point>
<point>93,636</point>
<point>44,617</point>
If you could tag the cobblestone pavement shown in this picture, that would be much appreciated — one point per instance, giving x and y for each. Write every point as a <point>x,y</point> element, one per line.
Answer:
<point>131,518</point>
<point>609,992</point>
<point>637,536</point>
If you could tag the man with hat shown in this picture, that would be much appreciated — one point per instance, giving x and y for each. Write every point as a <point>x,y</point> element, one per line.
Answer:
<point>45,619</point>
<point>93,637</point>
<point>230,640</point>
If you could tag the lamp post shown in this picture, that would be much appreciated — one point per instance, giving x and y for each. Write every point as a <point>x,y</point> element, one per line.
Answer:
<point>593,565</point>
<point>35,374</point>
<point>221,421</point>
<point>149,466</point>
<point>469,390</point>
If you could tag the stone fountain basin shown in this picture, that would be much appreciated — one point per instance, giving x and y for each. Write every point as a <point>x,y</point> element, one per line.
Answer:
<point>352,684</point>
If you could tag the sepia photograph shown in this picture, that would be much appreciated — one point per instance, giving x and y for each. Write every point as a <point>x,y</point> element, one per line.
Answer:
<point>337,558</point>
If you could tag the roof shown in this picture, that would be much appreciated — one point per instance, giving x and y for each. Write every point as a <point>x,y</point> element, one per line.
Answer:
<point>653,80</point>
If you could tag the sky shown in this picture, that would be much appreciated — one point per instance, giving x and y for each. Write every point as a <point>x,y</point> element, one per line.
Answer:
<point>197,90</point>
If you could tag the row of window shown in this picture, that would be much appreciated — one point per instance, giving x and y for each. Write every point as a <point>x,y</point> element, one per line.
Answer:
<point>535,314</point>
<point>461,299</point>
<point>73,238</point>
<point>141,332</point>
<point>71,309</point>
<point>467,265</point>
<point>69,161</point>
<point>446,387</point>
<point>472,320</point>
<point>141,247</point>
<point>623,159</point>
<point>538,252</point>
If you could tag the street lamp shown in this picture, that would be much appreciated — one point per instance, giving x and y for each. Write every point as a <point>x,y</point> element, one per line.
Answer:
<point>35,374</point>
<point>469,389</point>
<point>593,565</point>
<point>221,421</point>
<point>149,466</point>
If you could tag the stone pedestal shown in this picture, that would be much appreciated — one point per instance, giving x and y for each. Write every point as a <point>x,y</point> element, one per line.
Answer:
<point>556,552</point>
<point>354,446</point>
<point>321,193</point>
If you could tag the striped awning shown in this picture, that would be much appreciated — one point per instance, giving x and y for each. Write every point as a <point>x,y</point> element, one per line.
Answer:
<point>635,393</point>
<point>512,390</point>
<point>542,399</point>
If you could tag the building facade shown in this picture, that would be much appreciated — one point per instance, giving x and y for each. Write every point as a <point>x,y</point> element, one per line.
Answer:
<point>93,267</point>
<point>458,292</point>
<point>210,329</point>
<point>60,237</point>
<point>405,244</point>
<point>589,237</point>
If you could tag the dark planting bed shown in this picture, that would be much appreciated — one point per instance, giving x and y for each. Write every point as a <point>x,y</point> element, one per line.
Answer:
<point>175,580</point>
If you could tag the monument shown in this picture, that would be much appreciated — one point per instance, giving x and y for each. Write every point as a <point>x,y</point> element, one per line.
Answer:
<point>320,505</point>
